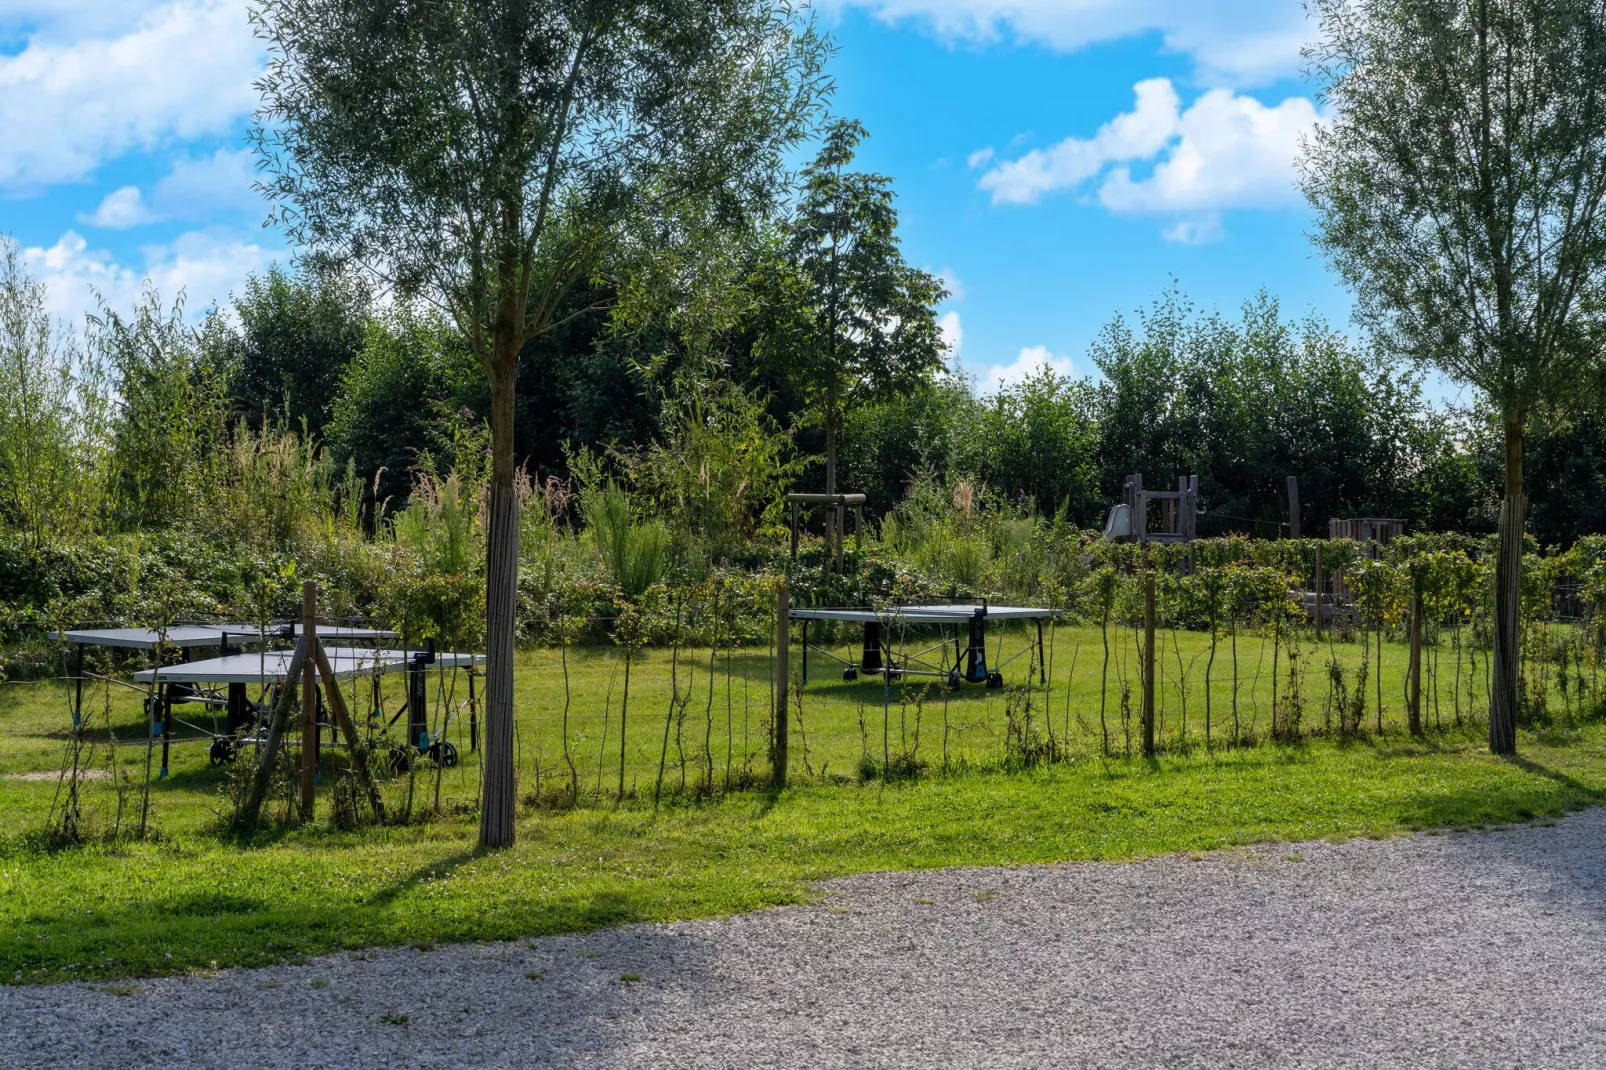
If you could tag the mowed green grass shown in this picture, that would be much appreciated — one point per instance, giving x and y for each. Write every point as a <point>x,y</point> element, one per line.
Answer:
<point>194,897</point>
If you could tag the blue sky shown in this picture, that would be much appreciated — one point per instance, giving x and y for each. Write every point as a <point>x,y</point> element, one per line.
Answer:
<point>1059,161</point>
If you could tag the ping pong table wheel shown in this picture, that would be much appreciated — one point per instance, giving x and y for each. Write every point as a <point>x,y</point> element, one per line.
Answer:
<point>850,674</point>
<point>401,760</point>
<point>955,681</point>
<point>222,751</point>
<point>995,680</point>
<point>444,754</point>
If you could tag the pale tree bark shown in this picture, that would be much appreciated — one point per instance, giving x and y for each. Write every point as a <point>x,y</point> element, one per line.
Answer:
<point>1508,598</point>
<point>497,826</point>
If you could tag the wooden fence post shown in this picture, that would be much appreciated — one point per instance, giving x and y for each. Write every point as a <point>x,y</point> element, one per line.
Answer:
<point>1414,690</point>
<point>783,678</point>
<point>1148,661</point>
<point>309,699</point>
<point>1319,579</point>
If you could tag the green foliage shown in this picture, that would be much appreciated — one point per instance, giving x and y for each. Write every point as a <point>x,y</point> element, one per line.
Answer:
<point>170,417</point>
<point>1245,404</point>
<point>437,582</point>
<point>634,551</point>
<point>297,335</point>
<point>846,317</point>
<point>400,398</point>
<point>717,473</point>
<point>1038,443</point>
<point>53,406</point>
<point>1459,188</point>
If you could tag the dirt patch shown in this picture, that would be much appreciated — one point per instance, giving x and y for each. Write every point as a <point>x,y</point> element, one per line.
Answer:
<point>56,774</point>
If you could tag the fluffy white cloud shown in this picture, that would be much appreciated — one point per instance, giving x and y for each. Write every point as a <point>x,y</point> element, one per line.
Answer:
<point>1225,150</point>
<point>1030,361</point>
<point>183,71</point>
<point>1134,135</point>
<point>120,208</point>
<point>1232,41</point>
<point>953,335</point>
<point>1230,151</point>
<point>205,265</point>
<point>195,188</point>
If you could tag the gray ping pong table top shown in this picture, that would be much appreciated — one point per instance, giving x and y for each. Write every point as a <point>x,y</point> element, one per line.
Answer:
<point>204,635</point>
<point>273,665</point>
<point>936,614</point>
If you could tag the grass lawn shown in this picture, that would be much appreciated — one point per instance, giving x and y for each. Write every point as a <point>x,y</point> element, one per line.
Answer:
<point>192,898</point>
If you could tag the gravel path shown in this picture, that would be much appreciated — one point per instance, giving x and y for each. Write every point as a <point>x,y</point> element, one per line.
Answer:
<point>1393,953</point>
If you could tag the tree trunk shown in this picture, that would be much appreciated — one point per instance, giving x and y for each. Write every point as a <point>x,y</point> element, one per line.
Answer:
<point>1508,597</point>
<point>1413,678</point>
<point>831,532</point>
<point>501,593</point>
<point>830,447</point>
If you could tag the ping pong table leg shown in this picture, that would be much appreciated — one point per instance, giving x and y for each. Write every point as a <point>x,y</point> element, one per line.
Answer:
<point>78,685</point>
<point>1042,664</point>
<point>165,728</point>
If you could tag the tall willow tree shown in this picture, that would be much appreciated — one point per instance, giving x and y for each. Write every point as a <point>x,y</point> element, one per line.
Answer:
<point>1458,190</point>
<point>486,155</point>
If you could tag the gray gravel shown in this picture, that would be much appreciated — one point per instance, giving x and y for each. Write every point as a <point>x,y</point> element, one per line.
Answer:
<point>1468,949</point>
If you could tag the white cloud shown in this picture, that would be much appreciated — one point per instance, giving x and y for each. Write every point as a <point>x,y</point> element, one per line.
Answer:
<point>195,188</point>
<point>1201,229</point>
<point>952,283</point>
<point>200,187</point>
<point>1030,361</point>
<point>183,71</point>
<point>1225,150</point>
<point>953,335</point>
<point>119,209</point>
<point>1231,152</point>
<point>980,158</point>
<point>205,265</point>
<point>1133,135</point>
<point>1231,41</point>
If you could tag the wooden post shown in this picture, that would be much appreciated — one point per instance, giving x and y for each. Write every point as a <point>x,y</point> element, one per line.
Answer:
<point>309,698</point>
<point>1319,579</point>
<point>1414,687</point>
<point>1140,509</point>
<point>839,526</point>
<point>1148,661</point>
<point>337,706</point>
<point>251,807</point>
<point>1293,507</point>
<point>783,630</point>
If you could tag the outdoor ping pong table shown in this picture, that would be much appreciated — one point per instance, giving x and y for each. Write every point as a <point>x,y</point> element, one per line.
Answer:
<point>882,626</point>
<point>268,669</point>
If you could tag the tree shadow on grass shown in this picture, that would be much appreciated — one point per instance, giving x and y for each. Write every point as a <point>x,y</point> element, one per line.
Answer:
<point>436,869</point>
<point>1570,782</point>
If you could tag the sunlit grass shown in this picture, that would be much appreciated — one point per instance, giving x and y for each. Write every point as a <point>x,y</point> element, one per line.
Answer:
<point>194,896</point>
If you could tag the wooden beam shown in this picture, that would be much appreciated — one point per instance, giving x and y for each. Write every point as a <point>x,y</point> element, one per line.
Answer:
<point>309,699</point>
<point>783,679</point>
<point>251,808</point>
<point>359,753</point>
<point>1148,660</point>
